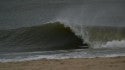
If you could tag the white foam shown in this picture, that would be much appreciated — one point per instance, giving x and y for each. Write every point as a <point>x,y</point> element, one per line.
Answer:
<point>114,44</point>
<point>73,54</point>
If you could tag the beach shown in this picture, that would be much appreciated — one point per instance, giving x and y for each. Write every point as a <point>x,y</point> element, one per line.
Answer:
<point>104,63</point>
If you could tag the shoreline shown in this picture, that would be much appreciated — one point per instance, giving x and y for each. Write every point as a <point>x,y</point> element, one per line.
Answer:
<point>99,63</point>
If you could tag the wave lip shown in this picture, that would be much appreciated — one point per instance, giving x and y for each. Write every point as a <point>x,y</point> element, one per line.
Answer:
<point>50,36</point>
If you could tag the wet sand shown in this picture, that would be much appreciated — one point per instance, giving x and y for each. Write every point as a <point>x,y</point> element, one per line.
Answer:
<point>114,63</point>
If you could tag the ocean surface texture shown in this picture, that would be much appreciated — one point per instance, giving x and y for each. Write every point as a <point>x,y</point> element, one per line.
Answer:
<point>58,29</point>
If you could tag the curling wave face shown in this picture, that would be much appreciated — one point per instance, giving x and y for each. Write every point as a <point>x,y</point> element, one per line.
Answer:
<point>50,36</point>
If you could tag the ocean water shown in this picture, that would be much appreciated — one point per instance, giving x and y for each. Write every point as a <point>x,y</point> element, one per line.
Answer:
<point>61,29</point>
<point>61,54</point>
<point>58,40</point>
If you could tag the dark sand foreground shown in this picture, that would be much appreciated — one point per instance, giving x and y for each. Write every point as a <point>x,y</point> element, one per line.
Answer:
<point>116,63</point>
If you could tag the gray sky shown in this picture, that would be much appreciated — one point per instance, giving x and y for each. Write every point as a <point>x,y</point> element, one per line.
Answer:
<point>20,13</point>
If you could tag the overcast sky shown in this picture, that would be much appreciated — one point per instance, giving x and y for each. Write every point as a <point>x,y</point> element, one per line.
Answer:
<point>20,13</point>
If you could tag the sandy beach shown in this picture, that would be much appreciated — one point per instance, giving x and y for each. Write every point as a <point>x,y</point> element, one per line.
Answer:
<point>114,63</point>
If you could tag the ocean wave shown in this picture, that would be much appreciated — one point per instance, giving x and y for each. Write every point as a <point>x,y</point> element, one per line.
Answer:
<point>60,36</point>
<point>50,36</point>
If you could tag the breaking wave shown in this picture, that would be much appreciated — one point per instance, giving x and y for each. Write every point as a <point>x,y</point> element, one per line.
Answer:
<point>50,36</point>
<point>60,36</point>
<point>101,36</point>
